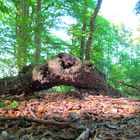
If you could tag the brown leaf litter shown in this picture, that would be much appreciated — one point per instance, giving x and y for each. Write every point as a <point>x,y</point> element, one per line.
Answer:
<point>72,115</point>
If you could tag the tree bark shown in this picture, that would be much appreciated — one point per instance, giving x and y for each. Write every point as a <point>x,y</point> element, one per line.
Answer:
<point>38,32</point>
<point>83,40</point>
<point>92,27</point>
<point>22,34</point>
<point>64,69</point>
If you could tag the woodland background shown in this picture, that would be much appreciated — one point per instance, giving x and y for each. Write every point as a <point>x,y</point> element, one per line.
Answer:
<point>26,37</point>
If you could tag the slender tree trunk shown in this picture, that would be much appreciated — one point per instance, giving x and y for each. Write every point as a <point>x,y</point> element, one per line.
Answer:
<point>83,36</point>
<point>16,46</point>
<point>21,33</point>
<point>92,27</point>
<point>83,40</point>
<point>38,32</point>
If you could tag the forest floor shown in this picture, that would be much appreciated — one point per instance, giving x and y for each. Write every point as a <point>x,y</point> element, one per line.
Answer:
<point>70,116</point>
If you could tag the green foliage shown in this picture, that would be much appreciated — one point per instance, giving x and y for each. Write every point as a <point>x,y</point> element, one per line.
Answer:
<point>1,104</point>
<point>3,8</point>
<point>62,88</point>
<point>12,104</point>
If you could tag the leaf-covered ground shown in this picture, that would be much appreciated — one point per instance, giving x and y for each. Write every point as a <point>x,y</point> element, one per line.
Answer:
<point>70,116</point>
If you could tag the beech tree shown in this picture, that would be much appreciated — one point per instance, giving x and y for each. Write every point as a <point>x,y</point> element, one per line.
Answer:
<point>92,26</point>
<point>38,25</point>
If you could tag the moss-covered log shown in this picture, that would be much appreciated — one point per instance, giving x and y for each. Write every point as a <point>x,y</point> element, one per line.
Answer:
<point>63,69</point>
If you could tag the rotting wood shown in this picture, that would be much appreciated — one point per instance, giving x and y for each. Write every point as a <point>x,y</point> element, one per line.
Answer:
<point>63,69</point>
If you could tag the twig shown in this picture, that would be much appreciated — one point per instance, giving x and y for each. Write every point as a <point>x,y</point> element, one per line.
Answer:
<point>41,121</point>
<point>84,135</point>
<point>29,107</point>
<point>128,85</point>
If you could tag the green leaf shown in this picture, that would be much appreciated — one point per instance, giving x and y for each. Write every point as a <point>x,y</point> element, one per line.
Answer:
<point>1,104</point>
<point>13,104</point>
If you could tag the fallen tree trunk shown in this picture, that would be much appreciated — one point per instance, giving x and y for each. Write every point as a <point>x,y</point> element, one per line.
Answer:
<point>64,69</point>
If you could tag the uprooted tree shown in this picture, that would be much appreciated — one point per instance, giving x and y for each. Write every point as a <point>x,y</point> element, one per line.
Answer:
<point>63,69</point>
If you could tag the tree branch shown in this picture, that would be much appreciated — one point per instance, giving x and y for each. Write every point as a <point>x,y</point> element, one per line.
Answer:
<point>40,121</point>
<point>128,85</point>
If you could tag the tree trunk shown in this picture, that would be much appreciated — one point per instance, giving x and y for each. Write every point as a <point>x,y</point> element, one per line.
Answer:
<point>92,27</point>
<point>83,40</point>
<point>38,32</point>
<point>21,33</point>
<point>64,69</point>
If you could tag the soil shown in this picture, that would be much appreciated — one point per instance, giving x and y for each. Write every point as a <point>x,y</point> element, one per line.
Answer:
<point>72,115</point>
